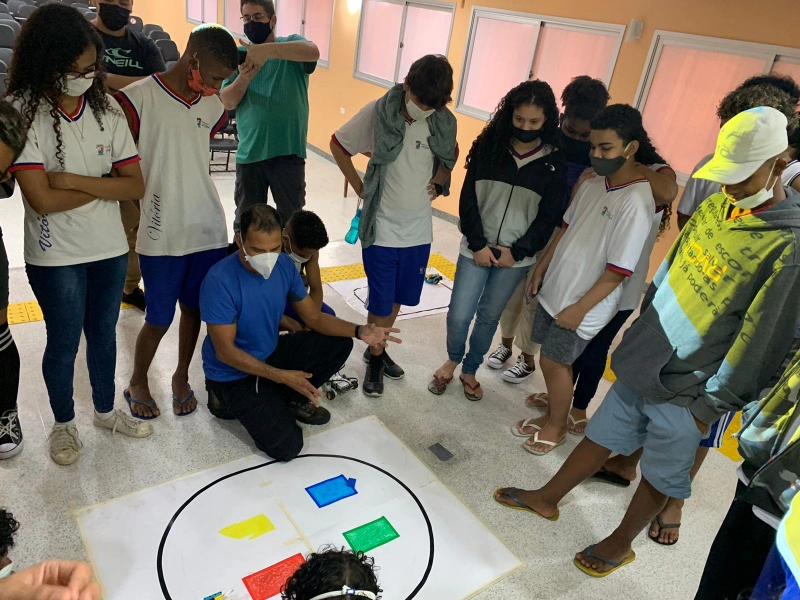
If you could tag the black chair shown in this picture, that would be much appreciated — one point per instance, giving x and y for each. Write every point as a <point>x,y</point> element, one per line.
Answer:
<point>169,50</point>
<point>6,54</point>
<point>230,127</point>
<point>159,35</point>
<point>148,29</point>
<point>26,11</point>
<point>89,15</point>
<point>7,36</point>
<point>6,16</point>
<point>4,8</point>
<point>136,23</point>
<point>80,5</point>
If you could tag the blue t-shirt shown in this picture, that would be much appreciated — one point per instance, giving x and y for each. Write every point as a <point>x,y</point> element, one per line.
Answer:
<point>232,294</point>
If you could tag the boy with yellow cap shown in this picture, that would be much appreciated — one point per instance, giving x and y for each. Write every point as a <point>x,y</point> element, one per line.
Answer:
<point>712,331</point>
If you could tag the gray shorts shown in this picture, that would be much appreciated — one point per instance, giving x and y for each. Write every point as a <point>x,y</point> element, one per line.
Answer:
<point>625,422</point>
<point>558,344</point>
<point>3,274</point>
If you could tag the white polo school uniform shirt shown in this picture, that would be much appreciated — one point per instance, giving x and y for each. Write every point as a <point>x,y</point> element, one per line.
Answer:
<point>90,232</point>
<point>181,212</point>
<point>606,228</point>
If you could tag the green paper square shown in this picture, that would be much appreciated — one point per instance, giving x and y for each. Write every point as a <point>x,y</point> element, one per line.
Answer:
<point>371,535</point>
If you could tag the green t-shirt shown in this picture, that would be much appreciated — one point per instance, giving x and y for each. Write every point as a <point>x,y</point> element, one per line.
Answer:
<point>272,118</point>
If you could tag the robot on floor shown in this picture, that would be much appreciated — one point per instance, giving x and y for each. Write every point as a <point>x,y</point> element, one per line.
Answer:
<point>338,384</point>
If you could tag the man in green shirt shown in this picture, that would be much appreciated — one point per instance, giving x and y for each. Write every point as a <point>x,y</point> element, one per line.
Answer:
<point>270,95</point>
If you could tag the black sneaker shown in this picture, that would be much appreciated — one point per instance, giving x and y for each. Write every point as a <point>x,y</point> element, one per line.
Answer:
<point>11,441</point>
<point>307,413</point>
<point>390,368</point>
<point>373,380</point>
<point>499,357</point>
<point>215,408</point>
<point>135,299</point>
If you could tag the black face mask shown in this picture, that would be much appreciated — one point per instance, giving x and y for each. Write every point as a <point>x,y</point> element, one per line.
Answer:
<point>526,136</point>
<point>575,151</point>
<point>257,32</point>
<point>113,16</point>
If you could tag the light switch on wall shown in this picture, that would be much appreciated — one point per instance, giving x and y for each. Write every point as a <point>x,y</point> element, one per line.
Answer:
<point>341,110</point>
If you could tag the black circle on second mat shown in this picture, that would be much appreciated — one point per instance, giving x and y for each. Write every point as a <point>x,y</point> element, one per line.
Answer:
<point>162,581</point>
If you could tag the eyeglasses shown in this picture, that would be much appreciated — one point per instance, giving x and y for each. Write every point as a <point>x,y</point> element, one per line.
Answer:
<point>82,75</point>
<point>260,17</point>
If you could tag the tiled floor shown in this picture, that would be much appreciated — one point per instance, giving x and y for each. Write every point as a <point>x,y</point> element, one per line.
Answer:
<point>42,494</point>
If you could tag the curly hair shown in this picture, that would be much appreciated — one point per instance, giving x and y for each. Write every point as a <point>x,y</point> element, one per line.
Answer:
<point>794,135</point>
<point>783,82</point>
<point>584,98</point>
<point>50,42</point>
<point>492,143</point>
<point>626,122</point>
<point>308,230</point>
<point>331,569</point>
<point>752,96</point>
<point>8,527</point>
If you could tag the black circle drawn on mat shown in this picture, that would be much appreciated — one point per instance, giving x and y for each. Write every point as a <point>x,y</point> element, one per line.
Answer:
<point>174,518</point>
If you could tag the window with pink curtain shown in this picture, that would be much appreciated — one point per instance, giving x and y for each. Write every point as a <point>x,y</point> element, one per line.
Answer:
<point>427,31</point>
<point>562,54</point>
<point>318,25</point>
<point>194,10</point>
<point>290,17</point>
<point>499,60</point>
<point>784,67</point>
<point>233,16</point>
<point>680,108</point>
<point>380,38</point>
<point>209,11</point>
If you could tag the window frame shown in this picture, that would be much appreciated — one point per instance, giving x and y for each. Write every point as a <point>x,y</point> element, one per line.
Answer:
<point>429,4</point>
<point>768,52</point>
<point>539,21</point>
<point>202,20</point>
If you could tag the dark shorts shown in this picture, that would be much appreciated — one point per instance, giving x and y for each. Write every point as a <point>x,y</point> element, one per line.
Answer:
<point>558,344</point>
<point>285,176</point>
<point>172,279</point>
<point>394,276</point>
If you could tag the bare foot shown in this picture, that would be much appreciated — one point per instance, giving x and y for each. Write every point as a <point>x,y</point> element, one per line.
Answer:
<point>447,370</point>
<point>550,432</point>
<point>142,393</point>
<point>532,499</point>
<point>526,426</point>
<point>181,389</point>
<point>671,515</point>
<point>608,548</point>
<point>577,424</point>
<point>537,400</point>
<point>621,465</point>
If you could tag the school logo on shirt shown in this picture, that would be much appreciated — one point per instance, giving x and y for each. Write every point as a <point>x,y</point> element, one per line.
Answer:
<point>421,146</point>
<point>607,213</point>
<point>101,150</point>
<point>202,124</point>
<point>121,58</point>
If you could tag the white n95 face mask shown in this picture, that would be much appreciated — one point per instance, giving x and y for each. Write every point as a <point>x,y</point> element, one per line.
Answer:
<point>263,264</point>
<point>416,113</point>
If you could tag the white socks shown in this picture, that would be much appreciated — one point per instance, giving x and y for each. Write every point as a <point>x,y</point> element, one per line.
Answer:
<point>105,416</point>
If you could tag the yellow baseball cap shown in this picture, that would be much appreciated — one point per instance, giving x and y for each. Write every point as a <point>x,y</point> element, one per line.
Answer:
<point>745,143</point>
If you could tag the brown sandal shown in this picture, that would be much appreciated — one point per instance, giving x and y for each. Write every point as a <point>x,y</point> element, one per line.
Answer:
<point>439,384</point>
<point>472,394</point>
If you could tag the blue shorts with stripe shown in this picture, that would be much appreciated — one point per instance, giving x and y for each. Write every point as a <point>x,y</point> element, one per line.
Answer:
<point>716,433</point>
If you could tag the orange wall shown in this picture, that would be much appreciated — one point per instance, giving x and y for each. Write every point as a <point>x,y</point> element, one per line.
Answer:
<point>775,22</point>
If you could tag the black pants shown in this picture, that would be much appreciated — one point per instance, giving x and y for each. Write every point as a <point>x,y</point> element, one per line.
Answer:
<point>284,175</point>
<point>264,407</point>
<point>737,555</point>
<point>588,370</point>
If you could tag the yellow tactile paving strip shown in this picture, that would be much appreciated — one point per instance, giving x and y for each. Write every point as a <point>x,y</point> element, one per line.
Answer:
<point>29,312</point>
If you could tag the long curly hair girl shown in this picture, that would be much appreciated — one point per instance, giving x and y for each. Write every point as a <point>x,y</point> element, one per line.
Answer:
<point>492,143</point>
<point>626,122</point>
<point>53,38</point>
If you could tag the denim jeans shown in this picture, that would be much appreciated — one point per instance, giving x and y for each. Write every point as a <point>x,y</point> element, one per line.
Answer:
<point>480,293</point>
<point>74,298</point>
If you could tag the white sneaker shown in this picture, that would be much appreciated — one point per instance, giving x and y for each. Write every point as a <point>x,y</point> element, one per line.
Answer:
<point>125,424</point>
<point>65,444</point>
<point>519,372</point>
<point>498,358</point>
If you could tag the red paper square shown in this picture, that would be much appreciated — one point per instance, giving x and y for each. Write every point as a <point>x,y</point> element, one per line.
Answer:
<point>269,582</point>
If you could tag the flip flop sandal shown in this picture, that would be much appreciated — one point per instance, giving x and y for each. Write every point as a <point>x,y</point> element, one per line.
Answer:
<point>612,478</point>
<point>536,440</point>
<point>662,526</point>
<point>526,423</point>
<point>439,385</point>
<point>471,395</point>
<point>131,401</point>
<point>537,397</point>
<point>595,573</point>
<point>574,424</point>
<point>511,494</point>
<point>180,402</point>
